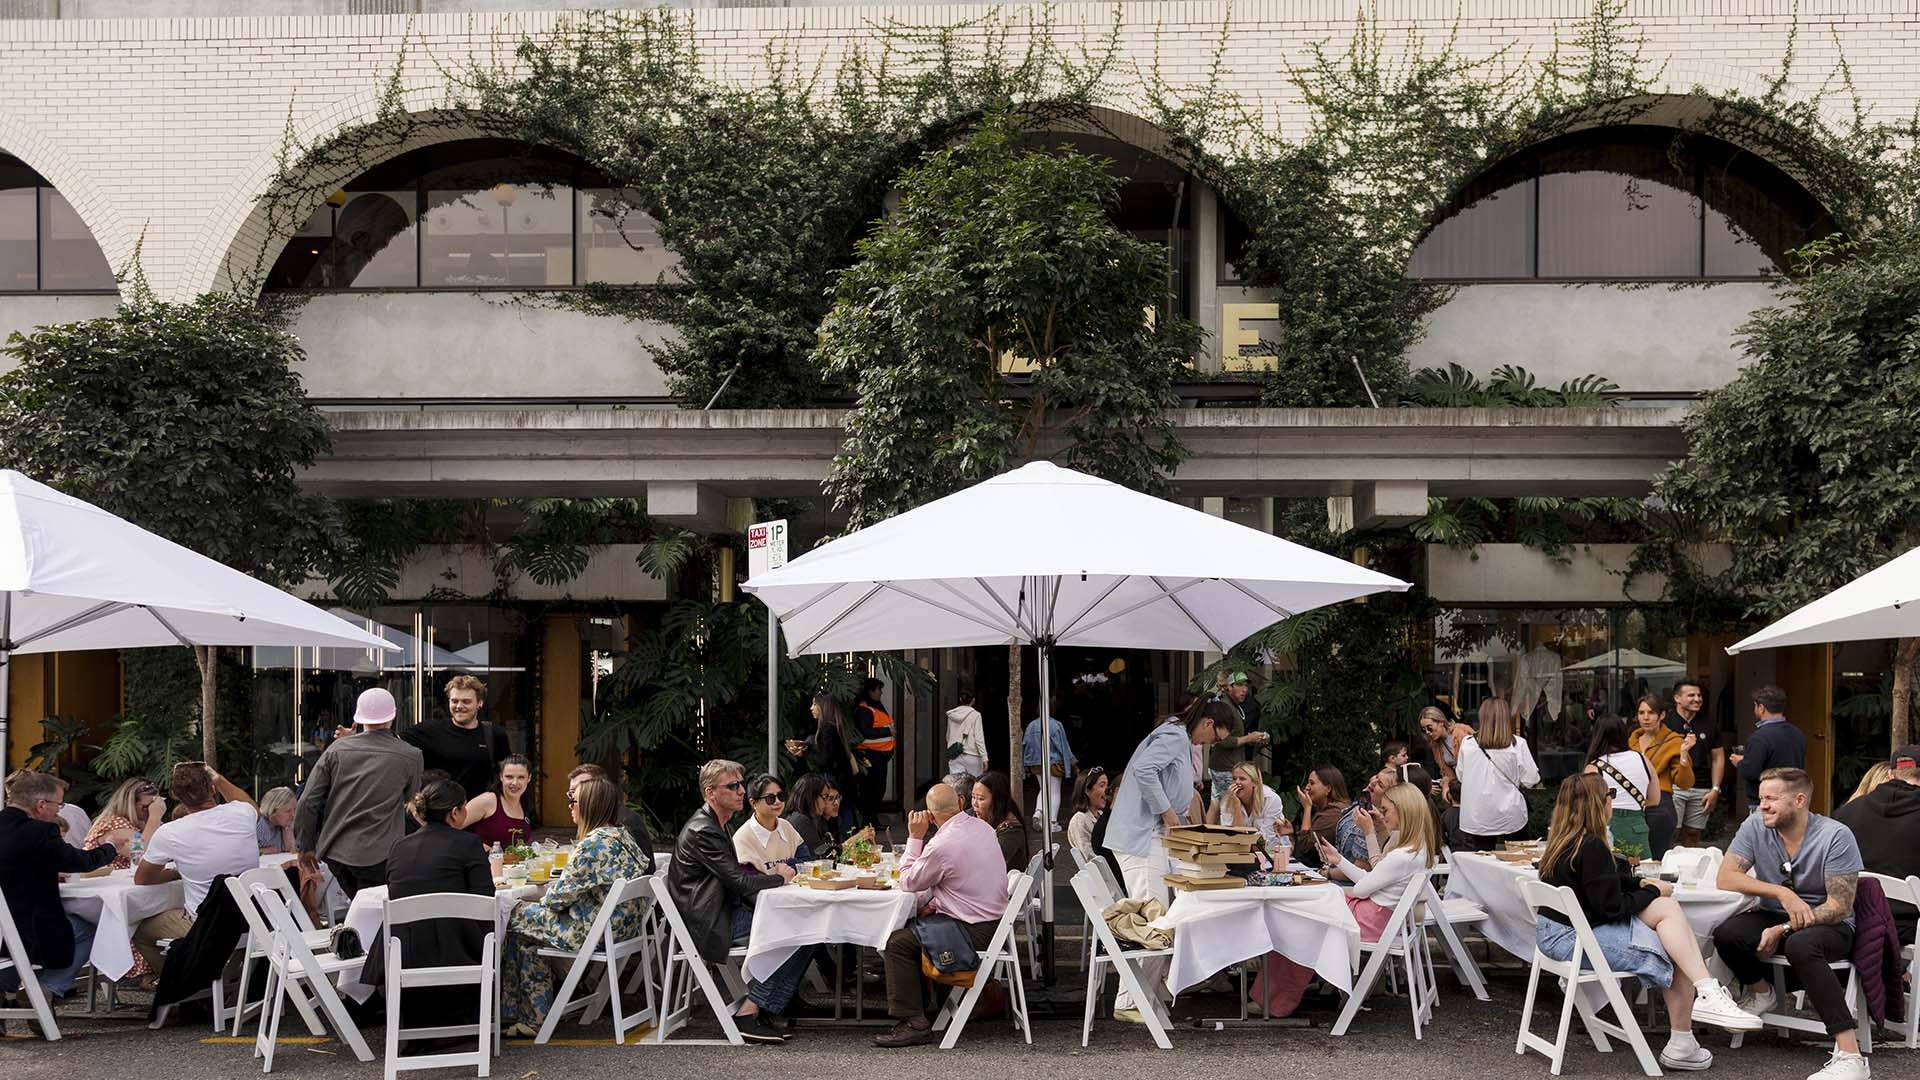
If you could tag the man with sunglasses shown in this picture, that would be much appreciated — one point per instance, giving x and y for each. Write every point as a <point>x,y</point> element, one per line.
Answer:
<point>32,858</point>
<point>715,896</point>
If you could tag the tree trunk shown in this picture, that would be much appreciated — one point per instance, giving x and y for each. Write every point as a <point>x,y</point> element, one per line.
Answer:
<point>1903,658</point>
<point>208,658</point>
<point>1015,773</point>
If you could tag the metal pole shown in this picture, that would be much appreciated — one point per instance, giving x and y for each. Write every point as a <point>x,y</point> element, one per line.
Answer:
<point>773,693</point>
<point>1043,649</point>
<point>6,678</point>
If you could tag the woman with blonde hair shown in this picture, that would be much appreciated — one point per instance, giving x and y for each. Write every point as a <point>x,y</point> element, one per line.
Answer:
<point>1444,737</point>
<point>1638,925</point>
<point>1495,770</point>
<point>1879,774</point>
<point>134,810</point>
<point>1249,803</point>
<point>603,853</point>
<point>1399,831</point>
<point>274,827</point>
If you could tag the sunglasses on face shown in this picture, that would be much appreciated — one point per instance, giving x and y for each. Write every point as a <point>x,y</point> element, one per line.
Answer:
<point>571,801</point>
<point>831,796</point>
<point>737,785</point>
<point>771,797</point>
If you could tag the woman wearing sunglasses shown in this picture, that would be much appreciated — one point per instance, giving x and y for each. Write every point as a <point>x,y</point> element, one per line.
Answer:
<point>768,839</point>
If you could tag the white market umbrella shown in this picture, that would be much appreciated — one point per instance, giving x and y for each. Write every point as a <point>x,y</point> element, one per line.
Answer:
<point>1882,603</point>
<point>1052,557</point>
<point>73,576</point>
<point>1631,659</point>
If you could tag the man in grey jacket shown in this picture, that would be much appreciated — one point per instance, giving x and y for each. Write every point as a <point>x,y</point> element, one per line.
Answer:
<point>354,804</point>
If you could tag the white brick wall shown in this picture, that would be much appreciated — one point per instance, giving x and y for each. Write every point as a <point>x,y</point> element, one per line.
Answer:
<point>166,128</point>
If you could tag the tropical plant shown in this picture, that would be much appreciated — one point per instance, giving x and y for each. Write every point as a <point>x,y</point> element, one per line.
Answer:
<point>148,746</point>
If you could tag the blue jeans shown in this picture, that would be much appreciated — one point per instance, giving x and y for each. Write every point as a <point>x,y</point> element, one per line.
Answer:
<point>59,981</point>
<point>776,992</point>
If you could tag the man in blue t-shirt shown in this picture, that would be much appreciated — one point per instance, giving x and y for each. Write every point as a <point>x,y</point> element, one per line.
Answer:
<point>1804,868</point>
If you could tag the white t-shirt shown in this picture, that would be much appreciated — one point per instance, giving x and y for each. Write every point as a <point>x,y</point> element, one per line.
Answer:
<point>1634,767</point>
<point>1490,781</point>
<point>204,845</point>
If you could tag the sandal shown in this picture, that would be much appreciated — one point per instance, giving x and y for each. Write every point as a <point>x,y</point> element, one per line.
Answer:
<point>520,1031</point>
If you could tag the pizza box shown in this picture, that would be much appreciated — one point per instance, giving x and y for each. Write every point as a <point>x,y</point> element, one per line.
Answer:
<point>1192,884</point>
<point>830,884</point>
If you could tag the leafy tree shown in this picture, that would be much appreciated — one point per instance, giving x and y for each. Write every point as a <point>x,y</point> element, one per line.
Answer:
<point>184,418</point>
<point>1808,463</point>
<point>1000,252</point>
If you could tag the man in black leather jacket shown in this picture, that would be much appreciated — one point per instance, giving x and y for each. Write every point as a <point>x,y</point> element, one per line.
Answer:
<point>715,896</point>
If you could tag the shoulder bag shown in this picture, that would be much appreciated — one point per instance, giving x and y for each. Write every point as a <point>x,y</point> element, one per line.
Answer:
<point>1632,789</point>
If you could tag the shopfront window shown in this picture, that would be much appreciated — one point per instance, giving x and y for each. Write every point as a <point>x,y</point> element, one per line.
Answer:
<point>302,695</point>
<point>1559,670</point>
<point>44,246</point>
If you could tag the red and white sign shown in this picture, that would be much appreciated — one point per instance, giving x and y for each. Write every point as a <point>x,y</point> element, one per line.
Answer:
<point>766,547</point>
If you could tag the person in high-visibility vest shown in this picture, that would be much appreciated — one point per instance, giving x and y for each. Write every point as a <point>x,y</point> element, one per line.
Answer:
<point>874,741</point>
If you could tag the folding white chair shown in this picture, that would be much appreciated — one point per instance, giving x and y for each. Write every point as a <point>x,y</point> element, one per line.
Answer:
<point>292,966</point>
<point>1030,922</point>
<point>1785,1022</point>
<point>682,965</point>
<point>1906,890</point>
<point>1401,939</point>
<point>259,941</point>
<point>464,907</point>
<point>1082,861</point>
<point>997,960</point>
<point>1586,966</point>
<point>1108,952</point>
<point>611,953</point>
<point>13,957</point>
<point>1446,916</point>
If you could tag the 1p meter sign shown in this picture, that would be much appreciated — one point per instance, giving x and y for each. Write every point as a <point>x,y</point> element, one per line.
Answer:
<point>766,547</point>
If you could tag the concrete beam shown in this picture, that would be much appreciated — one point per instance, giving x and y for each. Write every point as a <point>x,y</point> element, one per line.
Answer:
<point>1389,502</point>
<point>691,506</point>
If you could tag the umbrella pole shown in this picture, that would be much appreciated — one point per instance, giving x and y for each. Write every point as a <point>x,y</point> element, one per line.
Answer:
<point>6,678</point>
<point>773,693</point>
<point>1042,650</point>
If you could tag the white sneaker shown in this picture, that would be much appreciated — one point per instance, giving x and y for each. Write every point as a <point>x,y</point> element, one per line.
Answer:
<point>1844,1066</point>
<point>1761,1003</point>
<point>1690,1060</point>
<point>1713,1005</point>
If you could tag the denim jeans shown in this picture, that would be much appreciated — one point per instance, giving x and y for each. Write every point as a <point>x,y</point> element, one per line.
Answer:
<point>776,992</point>
<point>59,981</point>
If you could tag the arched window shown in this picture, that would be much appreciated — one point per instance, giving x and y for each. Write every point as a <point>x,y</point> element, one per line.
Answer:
<point>44,246</point>
<point>478,214</point>
<point>1630,203</point>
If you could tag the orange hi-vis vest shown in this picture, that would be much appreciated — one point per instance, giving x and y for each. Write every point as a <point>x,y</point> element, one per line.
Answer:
<point>881,741</point>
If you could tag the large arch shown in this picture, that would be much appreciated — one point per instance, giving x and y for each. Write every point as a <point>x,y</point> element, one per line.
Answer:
<point>97,211</point>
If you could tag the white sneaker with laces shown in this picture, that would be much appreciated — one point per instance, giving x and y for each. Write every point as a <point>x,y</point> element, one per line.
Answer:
<point>1713,1005</point>
<point>1761,1003</point>
<point>1844,1066</point>
<point>1692,1059</point>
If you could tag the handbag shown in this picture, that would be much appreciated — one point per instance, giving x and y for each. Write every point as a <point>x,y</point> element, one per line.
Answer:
<point>947,955</point>
<point>345,943</point>
<point>1607,767</point>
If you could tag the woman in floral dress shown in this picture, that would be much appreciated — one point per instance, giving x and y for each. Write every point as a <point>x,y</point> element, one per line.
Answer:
<point>603,853</point>
<point>136,809</point>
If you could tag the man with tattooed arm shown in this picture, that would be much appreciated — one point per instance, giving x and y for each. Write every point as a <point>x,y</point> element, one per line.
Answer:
<point>1804,868</point>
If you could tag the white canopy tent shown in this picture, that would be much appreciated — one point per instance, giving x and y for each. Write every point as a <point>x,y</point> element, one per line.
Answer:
<point>1881,603</point>
<point>1051,557</point>
<point>73,576</point>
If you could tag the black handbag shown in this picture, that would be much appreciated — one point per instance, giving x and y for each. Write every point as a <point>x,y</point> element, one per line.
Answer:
<point>345,943</point>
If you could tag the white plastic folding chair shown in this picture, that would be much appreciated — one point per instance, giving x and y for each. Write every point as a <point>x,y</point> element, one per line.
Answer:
<point>258,944</point>
<point>1123,960</point>
<point>1786,1022</point>
<point>1030,923</point>
<point>1586,966</point>
<point>1448,916</point>
<point>13,957</point>
<point>611,953</point>
<point>1906,890</point>
<point>463,907</point>
<point>259,939</point>
<point>683,971</point>
<point>1402,939</point>
<point>293,966</point>
<point>997,960</point>
<point>1082,861</point>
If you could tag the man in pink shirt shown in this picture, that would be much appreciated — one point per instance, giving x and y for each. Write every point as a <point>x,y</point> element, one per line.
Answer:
<point>959,873</point>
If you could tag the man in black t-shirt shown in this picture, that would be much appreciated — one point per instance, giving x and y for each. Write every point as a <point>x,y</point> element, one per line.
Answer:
<point>1694,805</point>
<point>468,749</point>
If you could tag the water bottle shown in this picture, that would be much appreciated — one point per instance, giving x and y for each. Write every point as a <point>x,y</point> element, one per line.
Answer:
<point>497,859</point>
<point>135,850</point>
<point>1284,856</point>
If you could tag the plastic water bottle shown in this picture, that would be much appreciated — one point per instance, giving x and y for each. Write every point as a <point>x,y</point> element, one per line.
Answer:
<point>135,850</point>
<point>497,858</point>
<point>1284,857</point>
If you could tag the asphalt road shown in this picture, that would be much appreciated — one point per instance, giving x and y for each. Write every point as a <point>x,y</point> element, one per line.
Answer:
<point>1468,1039</point>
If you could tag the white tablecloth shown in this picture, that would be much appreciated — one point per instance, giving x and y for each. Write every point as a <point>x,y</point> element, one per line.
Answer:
<point>1308,924</point>
<point>1495,885</point>
<point>368,912</point>
<point>115,905</point>
<point>786,918</point>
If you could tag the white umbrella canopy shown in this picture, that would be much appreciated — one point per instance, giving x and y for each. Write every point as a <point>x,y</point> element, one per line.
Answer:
<point>1633,659</point>
<point>1881,603</point>
<point>73,576</point>
<point>1051,556</point>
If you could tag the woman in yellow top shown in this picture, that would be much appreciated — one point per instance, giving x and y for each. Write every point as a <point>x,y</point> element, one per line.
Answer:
<point>1668,753</point>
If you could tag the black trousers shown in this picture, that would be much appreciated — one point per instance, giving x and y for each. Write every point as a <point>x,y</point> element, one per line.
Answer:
<point>354,878</point>
<point>1662,820</point>
<point>1476,842</point>
<point>871,786</point>
<point>1809,951</point>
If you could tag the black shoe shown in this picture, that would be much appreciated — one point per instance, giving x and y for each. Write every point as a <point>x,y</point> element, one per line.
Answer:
<point>777,1022</point>
<point>755,1029</point>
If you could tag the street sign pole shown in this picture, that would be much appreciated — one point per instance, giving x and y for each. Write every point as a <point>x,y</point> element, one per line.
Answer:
<point>767,550</point>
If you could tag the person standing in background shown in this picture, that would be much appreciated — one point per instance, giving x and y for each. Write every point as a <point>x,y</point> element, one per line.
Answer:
<point>468,748</point>
<point>1693,805</point>
<point>966,738</point>
<point>1059,766</point>
<point>1670,754</point>
<point>352,808</point>
<point>874,737</point>
<point>1243,739</point>
<point>1774,744</point>
<point>1496,768</point>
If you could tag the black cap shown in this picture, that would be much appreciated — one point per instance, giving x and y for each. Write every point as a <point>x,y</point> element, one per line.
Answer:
<point>1906,757</point>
